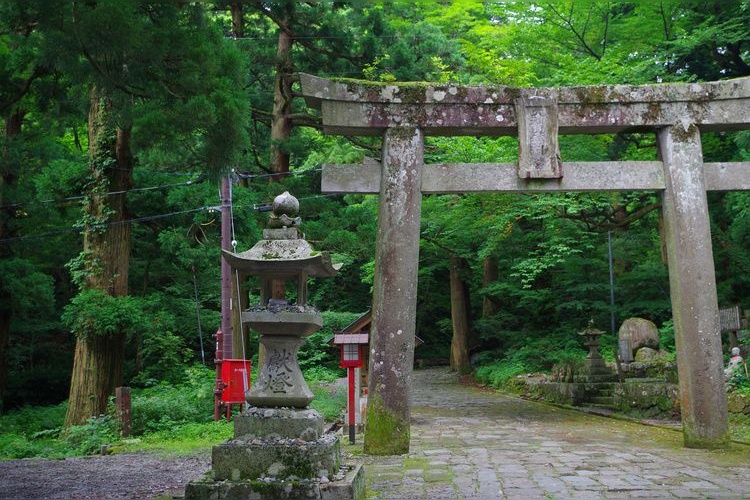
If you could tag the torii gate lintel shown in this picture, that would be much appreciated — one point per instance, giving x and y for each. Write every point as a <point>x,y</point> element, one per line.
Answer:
<point>404,113</point>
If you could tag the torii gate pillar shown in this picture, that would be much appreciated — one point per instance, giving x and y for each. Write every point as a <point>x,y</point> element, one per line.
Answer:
<point>394,301</point>
<point>692,286</point>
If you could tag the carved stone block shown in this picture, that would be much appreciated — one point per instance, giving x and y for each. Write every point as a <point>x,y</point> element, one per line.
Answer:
<point>538,149</point>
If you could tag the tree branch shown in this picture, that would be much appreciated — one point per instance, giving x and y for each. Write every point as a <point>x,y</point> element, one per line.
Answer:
<point>38,72</point>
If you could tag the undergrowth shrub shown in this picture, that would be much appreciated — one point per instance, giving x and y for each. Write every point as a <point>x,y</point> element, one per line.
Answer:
<point>165,405</point>
<point>497,374</point>
<point>89,438</point>
<point>330,398</point>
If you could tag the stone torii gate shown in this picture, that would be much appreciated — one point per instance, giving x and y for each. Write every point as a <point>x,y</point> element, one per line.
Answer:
<point>404,113</point>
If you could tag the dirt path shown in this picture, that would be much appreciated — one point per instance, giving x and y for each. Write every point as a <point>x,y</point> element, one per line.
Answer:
<point>133,476</point>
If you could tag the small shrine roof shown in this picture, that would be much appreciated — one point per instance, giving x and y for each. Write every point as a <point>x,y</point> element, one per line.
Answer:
<point>351,338</point>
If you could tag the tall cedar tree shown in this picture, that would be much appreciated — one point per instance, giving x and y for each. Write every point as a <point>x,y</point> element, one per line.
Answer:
<point>144,62</point>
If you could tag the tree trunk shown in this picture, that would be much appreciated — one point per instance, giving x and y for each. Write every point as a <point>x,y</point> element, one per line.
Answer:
<point>459,317</point>
<point>489,276</point>
<point>99,358</point>
<point>238,24</point>
<point>11,130</point>
<point>281,123</point>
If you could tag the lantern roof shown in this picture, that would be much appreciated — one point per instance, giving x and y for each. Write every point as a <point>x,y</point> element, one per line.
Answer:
<point>283,251</point>
<point>282,257</point>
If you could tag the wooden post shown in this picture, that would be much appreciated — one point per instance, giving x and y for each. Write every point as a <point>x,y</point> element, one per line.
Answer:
<point>692,286</point>
<point>394,304</point>
<point>123,405</point>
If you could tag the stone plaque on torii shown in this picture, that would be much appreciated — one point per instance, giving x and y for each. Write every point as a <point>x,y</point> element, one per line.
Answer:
<point>404,113</point>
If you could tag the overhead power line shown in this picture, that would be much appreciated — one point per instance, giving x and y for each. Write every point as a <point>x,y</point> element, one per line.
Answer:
<point>145,218</point>
<point>110,193</point>
<point>199,180</point>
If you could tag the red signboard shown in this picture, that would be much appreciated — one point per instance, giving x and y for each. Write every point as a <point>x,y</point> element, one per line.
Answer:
<point>235,374</point>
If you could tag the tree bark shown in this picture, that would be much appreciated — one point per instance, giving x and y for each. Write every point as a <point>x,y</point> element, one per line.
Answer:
<point>459,317</point>
<point>281,123</point>
<point>99,358</point>
<point>490,306</point>
<point>11,130</point>
<point>238,24</point>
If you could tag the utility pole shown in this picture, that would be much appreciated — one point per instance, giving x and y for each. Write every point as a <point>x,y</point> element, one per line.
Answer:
<point>226,276</point>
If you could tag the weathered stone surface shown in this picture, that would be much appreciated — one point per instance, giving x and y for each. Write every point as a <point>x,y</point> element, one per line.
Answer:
<point>538,149</point>
<point>738,403</point>
<point>351,486</point>
<point>239,459</point>
<point>692,286</point>
<point>394,303</point>
<point>676,112</point>
<point>640,332</point>
<point>646,354</point>
<point>280,382</point>
<point>278,423</point>
<point>368,108</point>
<point>650,398</point>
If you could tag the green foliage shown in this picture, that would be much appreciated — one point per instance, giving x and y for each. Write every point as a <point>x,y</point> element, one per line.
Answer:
<point>94,312</point>
<point>181,439</point>
<point>497,374</point>
<point>33,420</point>
<point>25,287</point>
<point>666,336</point>
<point>36,431</point>
<point>166,416</point>
<point>187,89</point>
<point>88,438</point>
<point>330,400</point>
<point>166,406</point>
<point>322,375</point>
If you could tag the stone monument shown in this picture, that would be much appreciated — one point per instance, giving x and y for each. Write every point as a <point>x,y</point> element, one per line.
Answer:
<point>280,448</point>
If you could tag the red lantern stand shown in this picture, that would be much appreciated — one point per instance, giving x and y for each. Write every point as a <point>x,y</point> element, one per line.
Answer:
<point>352,358</point>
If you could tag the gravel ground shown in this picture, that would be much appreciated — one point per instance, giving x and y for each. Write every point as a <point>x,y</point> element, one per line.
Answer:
<point>108,477</point>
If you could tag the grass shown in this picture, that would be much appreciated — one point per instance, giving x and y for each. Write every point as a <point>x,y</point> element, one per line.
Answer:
<point>170,419</point>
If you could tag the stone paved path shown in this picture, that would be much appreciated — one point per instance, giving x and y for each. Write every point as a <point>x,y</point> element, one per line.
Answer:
<point>468,443</point>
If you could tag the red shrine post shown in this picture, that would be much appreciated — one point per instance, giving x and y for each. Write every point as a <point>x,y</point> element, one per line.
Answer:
<point>352,347</point>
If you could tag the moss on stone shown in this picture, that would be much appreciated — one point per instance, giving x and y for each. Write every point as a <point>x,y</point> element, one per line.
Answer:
<point>722,442</point>
<point>387,432</point>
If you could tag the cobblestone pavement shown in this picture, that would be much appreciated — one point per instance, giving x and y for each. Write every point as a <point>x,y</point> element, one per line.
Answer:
<point>469,443</point>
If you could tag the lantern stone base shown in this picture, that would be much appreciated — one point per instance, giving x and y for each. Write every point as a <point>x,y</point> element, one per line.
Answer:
<point>281,459</point>
<point>351,485</point>
<point>278,453</point>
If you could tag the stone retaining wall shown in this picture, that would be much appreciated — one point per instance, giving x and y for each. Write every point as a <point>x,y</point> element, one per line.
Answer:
<point>652,398</point>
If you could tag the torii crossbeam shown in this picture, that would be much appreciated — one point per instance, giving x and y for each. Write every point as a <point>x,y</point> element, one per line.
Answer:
<point>404,113</point>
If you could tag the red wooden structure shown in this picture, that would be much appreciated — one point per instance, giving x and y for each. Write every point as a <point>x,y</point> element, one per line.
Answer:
<point>353,349</point>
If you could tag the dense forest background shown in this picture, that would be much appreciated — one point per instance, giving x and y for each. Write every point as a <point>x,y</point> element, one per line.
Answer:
<point>120,119</point>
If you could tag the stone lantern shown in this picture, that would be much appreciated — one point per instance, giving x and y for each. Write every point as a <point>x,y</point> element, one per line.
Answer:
<point>597,370</point>
<point>282,318</point>
<point>280,448</point>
